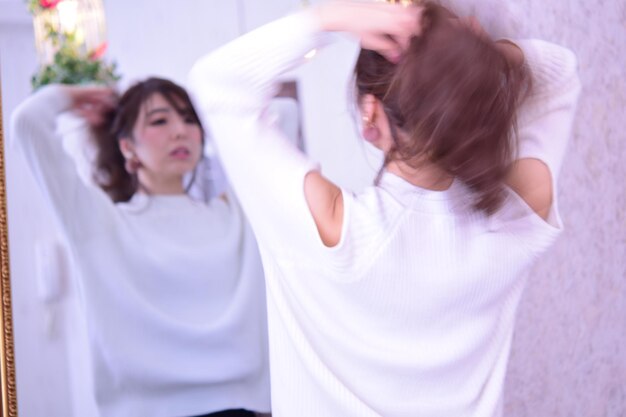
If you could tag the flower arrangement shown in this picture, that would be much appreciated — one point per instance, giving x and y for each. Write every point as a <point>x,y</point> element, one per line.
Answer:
<point>37,6</point>
<point>69,60</point>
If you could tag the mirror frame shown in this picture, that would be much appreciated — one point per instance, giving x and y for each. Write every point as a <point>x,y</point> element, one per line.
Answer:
<point>7,355</point>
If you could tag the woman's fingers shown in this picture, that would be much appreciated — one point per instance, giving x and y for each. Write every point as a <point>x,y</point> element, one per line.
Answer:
<point>382,27</point>
<point>92,102</point>
<point>384,45</point>
<point>93,94</point>
<point>404,21</point>
<point>359,17</point>
<point>93,114</point>
<point>391,19</point>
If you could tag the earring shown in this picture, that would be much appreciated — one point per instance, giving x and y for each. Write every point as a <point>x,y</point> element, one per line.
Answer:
<point>131,164</point>
<point>371,133</point>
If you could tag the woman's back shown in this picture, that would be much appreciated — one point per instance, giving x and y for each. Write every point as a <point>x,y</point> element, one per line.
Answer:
<point>412,312</point>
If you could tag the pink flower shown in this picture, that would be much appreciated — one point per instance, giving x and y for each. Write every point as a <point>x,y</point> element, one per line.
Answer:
<point>48,4</point>
<point>98,52</point>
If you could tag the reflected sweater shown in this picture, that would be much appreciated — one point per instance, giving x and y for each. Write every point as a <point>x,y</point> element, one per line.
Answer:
<point>172,288</point>
<point>412,312</point>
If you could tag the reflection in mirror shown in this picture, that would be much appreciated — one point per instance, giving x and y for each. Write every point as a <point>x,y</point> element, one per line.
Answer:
<point>146,297</point>
<point>171,288</point>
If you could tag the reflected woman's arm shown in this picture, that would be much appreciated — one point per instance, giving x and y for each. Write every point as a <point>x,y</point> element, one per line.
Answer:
<point>34,126</point>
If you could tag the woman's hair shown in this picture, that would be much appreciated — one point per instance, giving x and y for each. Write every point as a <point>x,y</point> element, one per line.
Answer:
<point>110,172</point>
<point>499,18</point>
<point>454,97</point>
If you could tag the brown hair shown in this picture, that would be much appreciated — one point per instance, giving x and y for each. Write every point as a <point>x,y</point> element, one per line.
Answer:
<point>110,173</point>
<point>454,96</point>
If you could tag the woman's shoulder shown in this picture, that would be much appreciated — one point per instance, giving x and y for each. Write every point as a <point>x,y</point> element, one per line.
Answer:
<point>182,220</point>
<point>368,217</point>
<point>372,205</point>
<point>518,219</point>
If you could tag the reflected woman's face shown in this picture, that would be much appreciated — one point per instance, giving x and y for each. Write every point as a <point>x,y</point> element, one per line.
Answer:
<point>167,142</point>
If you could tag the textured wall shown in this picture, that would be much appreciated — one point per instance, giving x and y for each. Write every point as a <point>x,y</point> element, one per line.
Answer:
<point>569,353</point>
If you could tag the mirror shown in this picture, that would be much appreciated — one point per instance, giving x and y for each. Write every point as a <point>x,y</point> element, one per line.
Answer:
<point>7,357</point>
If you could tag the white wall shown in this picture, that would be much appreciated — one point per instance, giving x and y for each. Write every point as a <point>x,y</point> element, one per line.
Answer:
<point>153,38</point>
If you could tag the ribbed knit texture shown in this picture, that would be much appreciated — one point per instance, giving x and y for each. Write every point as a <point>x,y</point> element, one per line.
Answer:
<point>172,289</point>
<point>412,313</point>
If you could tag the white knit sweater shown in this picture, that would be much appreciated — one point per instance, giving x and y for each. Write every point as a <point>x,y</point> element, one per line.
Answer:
<point>172,288</point>
<point>412,313</point>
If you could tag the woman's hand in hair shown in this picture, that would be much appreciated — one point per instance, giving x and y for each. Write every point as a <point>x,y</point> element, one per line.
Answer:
<point>382,27</point>
<point>92,102</point>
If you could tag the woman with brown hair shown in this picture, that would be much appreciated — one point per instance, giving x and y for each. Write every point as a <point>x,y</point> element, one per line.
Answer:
<point>399,300</point>
<point>172,288</point>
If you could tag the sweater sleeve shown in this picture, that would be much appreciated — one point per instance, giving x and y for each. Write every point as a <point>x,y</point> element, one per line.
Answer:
<point>34,131</point>
<point>232,88</point>
<point>546,117</point>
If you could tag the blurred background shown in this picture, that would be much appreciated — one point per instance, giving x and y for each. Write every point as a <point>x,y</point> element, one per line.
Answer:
<point>569,351</point>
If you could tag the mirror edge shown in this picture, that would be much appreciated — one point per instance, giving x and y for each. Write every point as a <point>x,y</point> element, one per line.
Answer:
<point>7,356</point>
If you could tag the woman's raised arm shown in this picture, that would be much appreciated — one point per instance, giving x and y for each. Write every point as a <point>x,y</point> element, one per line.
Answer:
<point>34,131</point>
<point>544,125</point>
<point>279,187</point>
